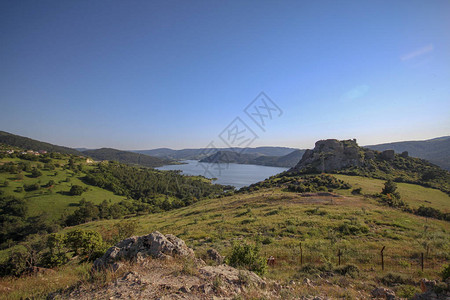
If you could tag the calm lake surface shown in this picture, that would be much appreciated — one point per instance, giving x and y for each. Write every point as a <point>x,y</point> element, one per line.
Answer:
<point>237,175</point>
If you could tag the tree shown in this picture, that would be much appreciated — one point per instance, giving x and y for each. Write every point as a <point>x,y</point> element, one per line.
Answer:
<point>76,190</point>
<point>36,173</point>
<point>390,187</point>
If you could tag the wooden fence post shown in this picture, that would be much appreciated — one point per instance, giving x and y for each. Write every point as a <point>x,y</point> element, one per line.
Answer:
<point>301,254</point>
<point>421,260</point>
<point>382,258</point>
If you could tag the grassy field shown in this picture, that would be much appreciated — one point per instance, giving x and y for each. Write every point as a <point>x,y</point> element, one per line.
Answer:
<point>356,225</point>
<point>414,195</point>
<point>288,224</point>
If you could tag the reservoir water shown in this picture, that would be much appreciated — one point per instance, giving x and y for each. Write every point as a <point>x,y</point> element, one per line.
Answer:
<point>237,175</point>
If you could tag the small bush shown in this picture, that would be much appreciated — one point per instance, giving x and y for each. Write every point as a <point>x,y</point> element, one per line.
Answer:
<point>247,256</point>
<point>393,279</point>
<point>347,270</point>
<point>87,243</point>
<point>445,272</point>
<point>267,241</point>
<point>349,229</point>
<point>407,291</point>
<point>309,269</point>
<point>356,191</point>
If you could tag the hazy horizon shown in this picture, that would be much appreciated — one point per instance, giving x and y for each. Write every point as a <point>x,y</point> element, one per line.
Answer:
<point>173,74</point>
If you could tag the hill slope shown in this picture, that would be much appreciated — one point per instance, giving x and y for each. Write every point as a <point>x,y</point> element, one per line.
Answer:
<point>127,157</point>
<point>324,225</point>
<point>30,144</point>
<point>435,150</point>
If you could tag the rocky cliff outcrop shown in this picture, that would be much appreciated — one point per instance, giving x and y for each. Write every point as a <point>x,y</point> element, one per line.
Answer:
<point>330,155</point>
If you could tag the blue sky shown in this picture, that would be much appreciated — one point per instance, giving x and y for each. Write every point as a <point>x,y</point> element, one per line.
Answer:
<point>149,74</point>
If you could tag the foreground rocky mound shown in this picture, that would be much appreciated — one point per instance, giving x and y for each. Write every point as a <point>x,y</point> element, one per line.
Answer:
<point>137,248</point>
<point>158,266</point>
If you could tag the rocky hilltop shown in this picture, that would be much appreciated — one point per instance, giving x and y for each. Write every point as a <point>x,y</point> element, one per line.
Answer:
<point>331,155</point>
<point>346,157</point>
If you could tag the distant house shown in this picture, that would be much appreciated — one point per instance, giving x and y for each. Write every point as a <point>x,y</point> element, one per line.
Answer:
<point>89,161</point>
<point>42,152</point>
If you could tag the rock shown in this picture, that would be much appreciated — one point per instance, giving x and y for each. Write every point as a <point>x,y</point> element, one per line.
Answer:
<point>307,281</point>
<point>214,255</point>
<point>429,291</point>
<point>369,154</point>
<point>388,154</point>
<point>137,248</point>
<point>427,285</point>
<point>205,289</point>
<point>230,274</point>
<point>330,155</point>
<point>184,289</point>
<point>383,293</point>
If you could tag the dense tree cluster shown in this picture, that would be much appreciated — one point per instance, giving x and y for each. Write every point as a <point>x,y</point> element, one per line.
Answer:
<point>147,185</point>
<point>15,225</point>
<point>300,183</point>
<point>88,211</point>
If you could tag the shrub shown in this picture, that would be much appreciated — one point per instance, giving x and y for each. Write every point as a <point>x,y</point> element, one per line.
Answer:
<point>87,243</point>
<point>36,173</point>
<point>267,240</point>
<point>247,256</point>
<point>407,291</point>
<point>445,272</point>
<point>356,191</point>
<point>16,264</point>
<point>392,279</point>
<point>124,229</point>
<point>57,251</point>
<point>31,187</point>
<point>349,229</point>
<point>309,269</point>
<point>347,270</point>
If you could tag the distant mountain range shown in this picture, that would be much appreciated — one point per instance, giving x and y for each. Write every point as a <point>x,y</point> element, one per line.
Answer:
<point>127,157</point>
<point>436,151</point>
<point>197,154</point>
<point>30,144</point>
<point>285,161</point>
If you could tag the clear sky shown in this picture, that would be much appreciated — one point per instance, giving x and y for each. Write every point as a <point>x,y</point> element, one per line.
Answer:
<point>149,74</point>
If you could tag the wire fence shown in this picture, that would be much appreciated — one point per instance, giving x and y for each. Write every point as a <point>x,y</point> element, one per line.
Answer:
<point>375,259</point>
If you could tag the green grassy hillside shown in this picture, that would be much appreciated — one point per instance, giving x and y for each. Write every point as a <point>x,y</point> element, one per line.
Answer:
<point>53,200</point>
<point>30,144</point>
<point>323,223</point>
